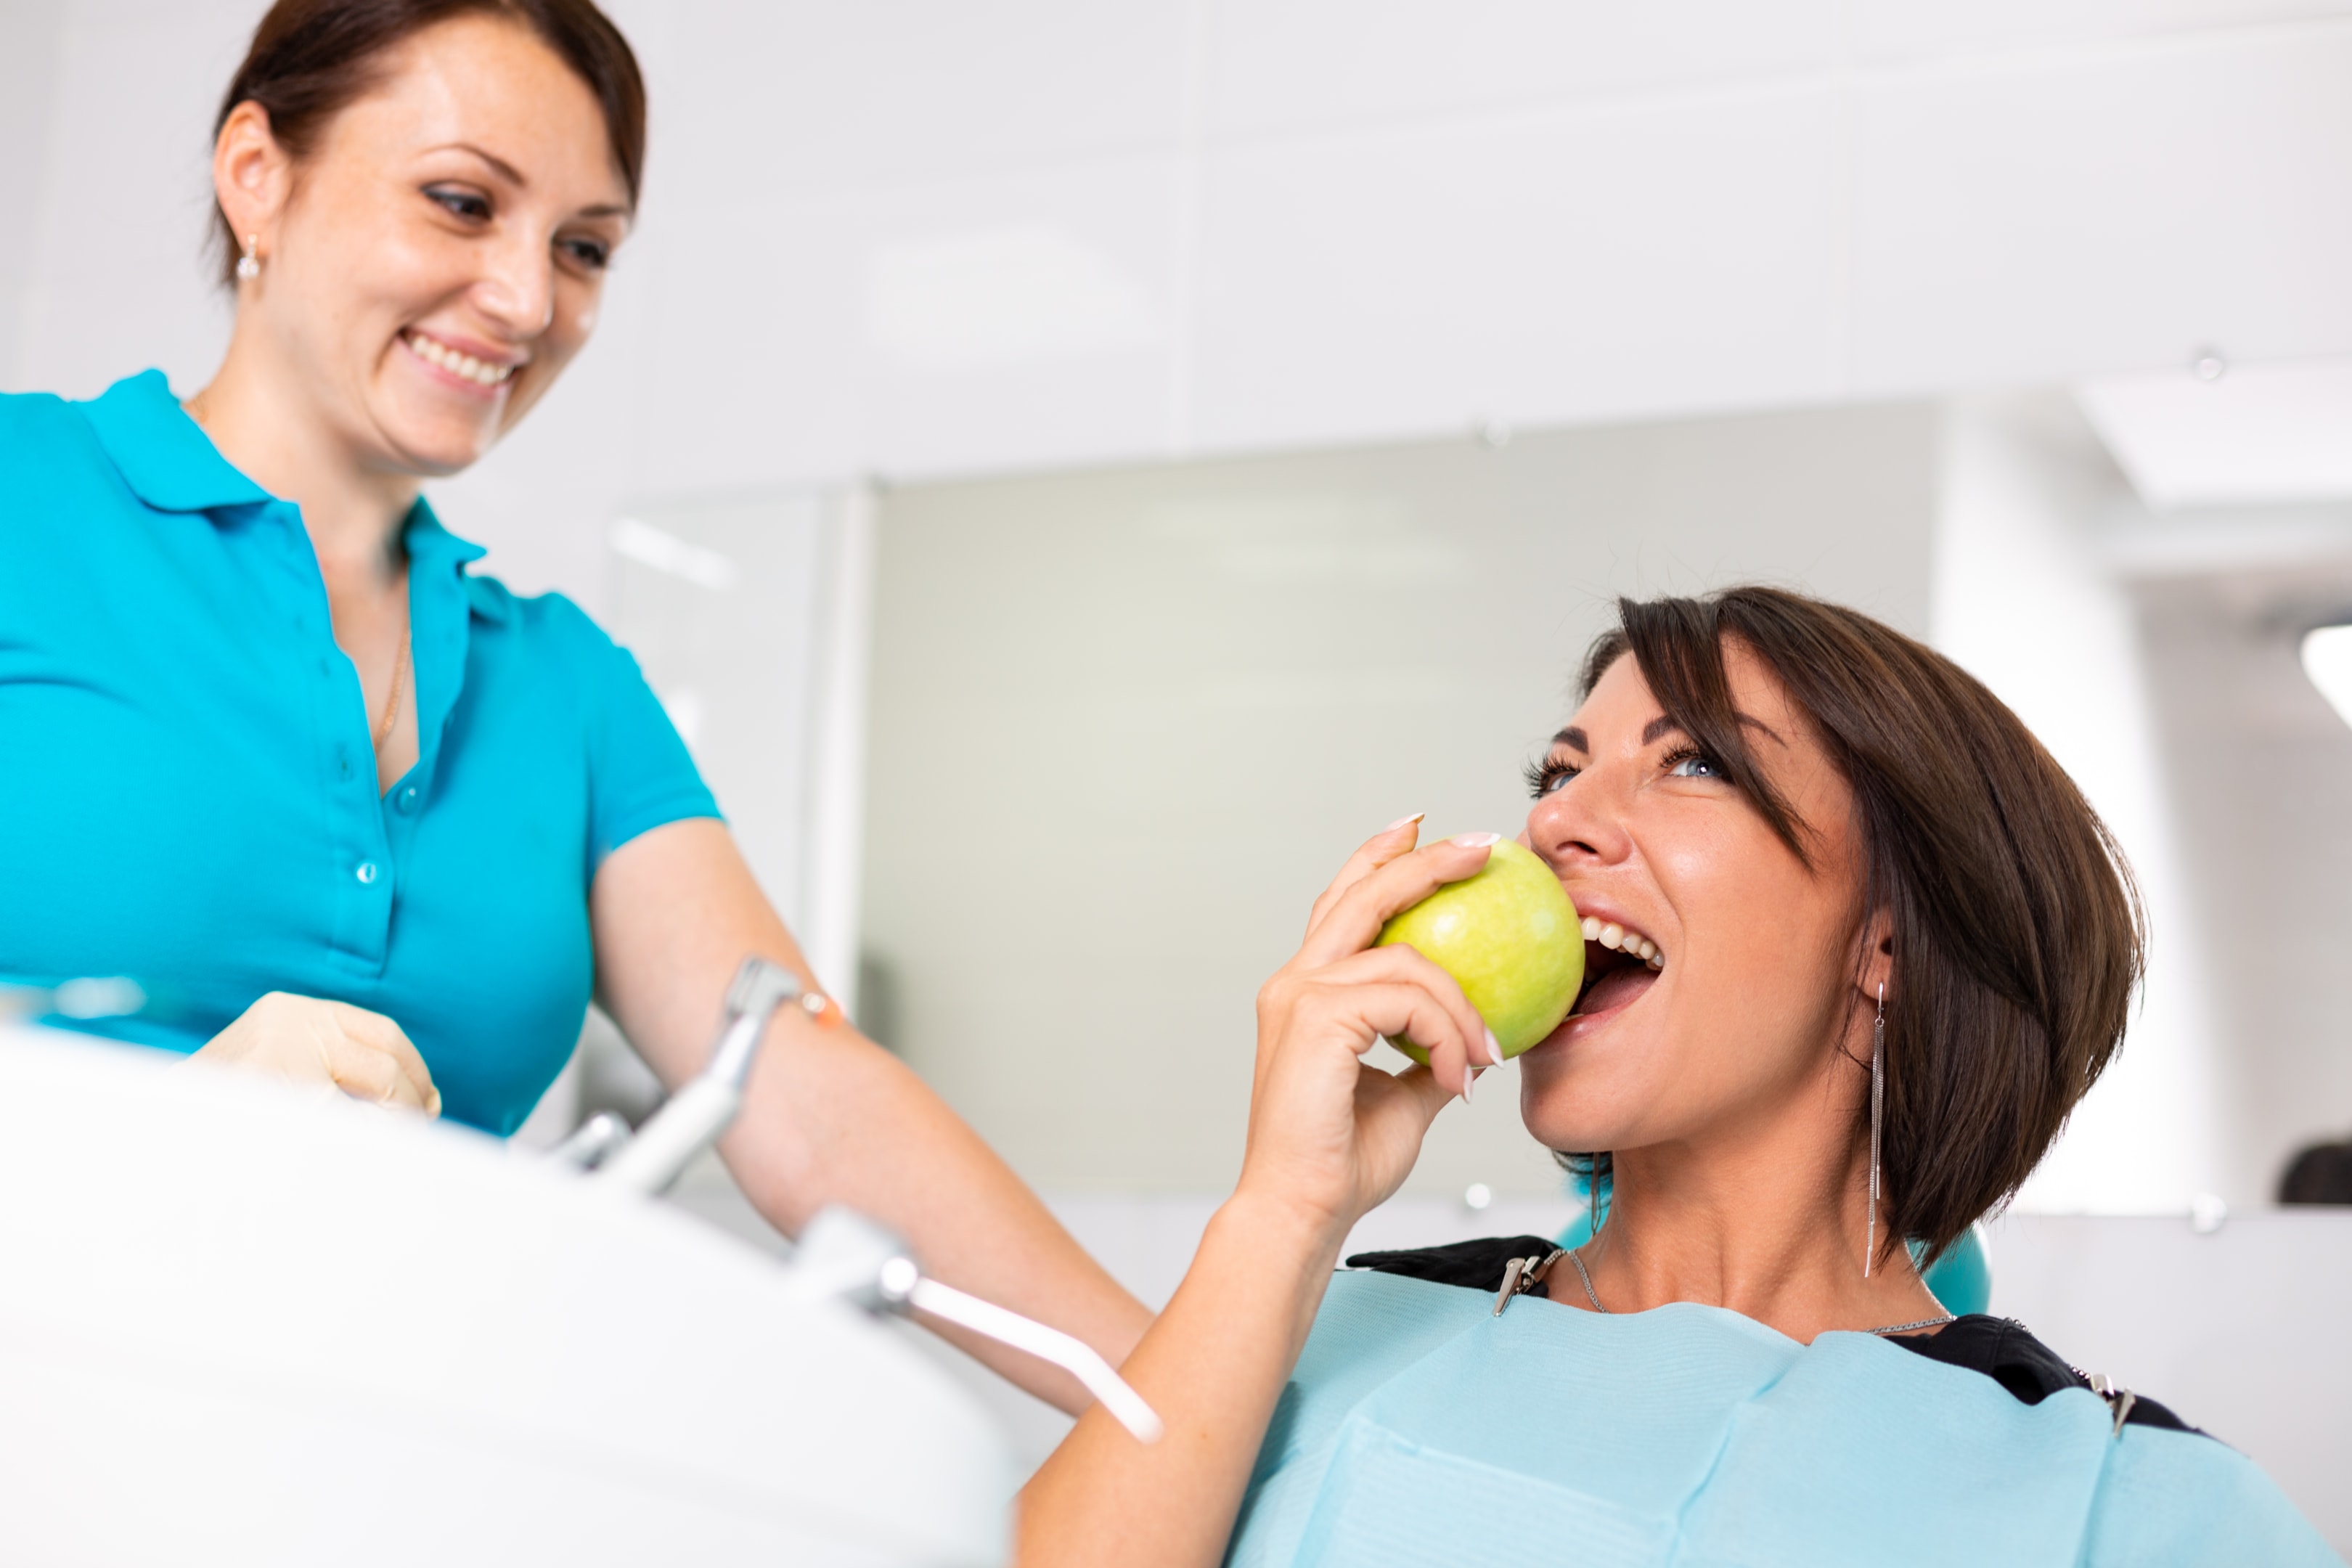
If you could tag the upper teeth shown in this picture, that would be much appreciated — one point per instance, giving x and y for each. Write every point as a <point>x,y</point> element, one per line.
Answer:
<point>457,363</point>
<point>1623,941</point>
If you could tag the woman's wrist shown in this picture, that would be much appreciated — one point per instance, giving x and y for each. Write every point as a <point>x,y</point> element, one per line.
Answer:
<point>1282,1230</point>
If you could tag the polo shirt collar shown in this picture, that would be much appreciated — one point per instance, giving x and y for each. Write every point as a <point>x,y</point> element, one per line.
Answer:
<point>433,547</point>
<point>162,454</point>
<point>172,465</point>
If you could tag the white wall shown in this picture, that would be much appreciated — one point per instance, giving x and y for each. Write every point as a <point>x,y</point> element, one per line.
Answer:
<point>2261,770</point>
<point>751,618</point>
<point>923,238</point>
<point>29,47</point>
<point>2027,601</point>
<point>2155,653</point>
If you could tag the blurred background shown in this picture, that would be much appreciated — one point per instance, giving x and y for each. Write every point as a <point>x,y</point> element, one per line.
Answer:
<point>1075,468</point>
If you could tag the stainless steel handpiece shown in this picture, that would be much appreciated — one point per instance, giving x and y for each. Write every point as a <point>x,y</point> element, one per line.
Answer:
<point>691,1120</point>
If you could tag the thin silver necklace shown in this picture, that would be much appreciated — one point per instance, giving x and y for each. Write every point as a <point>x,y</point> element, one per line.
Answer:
<point>1889,1329</point>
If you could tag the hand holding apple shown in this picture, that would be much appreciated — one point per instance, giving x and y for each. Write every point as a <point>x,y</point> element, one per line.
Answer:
<point>1510,937</point>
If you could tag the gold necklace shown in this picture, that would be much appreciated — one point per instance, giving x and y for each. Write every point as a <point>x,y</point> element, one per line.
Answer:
<point>392,699</point>
<point>194,407</point>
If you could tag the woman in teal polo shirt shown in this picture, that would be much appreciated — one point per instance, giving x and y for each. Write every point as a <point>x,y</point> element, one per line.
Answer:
<point>354,812</point>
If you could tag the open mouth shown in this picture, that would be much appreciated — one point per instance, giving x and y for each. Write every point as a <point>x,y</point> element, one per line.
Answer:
<point>455,362</point>
<point>1620,965</point>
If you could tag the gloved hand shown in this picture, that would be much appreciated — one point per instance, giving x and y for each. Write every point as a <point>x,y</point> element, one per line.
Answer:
<point>305,1039</point>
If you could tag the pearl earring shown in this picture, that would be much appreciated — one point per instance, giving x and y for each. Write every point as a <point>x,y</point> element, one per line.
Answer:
<point>248,266</point>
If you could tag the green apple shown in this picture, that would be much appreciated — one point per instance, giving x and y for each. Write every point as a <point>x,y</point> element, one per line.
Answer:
<point>1510,939</point>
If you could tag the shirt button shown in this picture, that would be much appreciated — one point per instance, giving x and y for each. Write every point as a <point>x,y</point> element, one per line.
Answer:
<point>367,871</point>
<point>405,801</point>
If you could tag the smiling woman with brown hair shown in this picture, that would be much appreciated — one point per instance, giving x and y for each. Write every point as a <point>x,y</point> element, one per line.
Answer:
<point>354,812</point>
<point>1858,946</point>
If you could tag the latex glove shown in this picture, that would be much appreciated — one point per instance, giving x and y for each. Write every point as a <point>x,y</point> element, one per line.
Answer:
<point>305,1039</point>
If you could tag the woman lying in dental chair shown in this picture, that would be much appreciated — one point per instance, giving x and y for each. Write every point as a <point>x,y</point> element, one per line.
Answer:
<point>1857,868</point>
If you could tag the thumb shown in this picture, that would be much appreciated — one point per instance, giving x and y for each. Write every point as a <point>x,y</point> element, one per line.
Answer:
<point>1424,1093</point>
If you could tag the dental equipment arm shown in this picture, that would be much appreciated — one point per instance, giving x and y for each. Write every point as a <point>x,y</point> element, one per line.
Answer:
<point>842,1254</point>
<point>845,1254</point>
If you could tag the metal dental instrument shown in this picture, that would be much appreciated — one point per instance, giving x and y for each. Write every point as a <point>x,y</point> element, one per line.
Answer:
<point>595,1141</point>
<point>843,1254</point>
<point>691,1120</point>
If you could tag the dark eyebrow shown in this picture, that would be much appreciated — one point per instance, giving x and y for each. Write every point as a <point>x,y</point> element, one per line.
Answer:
<point>513,177</point>
<point>1575,738</point>
<point>1665,725</point>
<point>498,166</point>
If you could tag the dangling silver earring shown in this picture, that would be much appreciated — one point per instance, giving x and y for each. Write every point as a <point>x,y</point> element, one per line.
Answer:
<point>1877,1115</point>
<point>248,266</point>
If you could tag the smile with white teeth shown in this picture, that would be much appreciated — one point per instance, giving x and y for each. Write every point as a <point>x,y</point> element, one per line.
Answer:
<point>1610,935</point>
<point>434,351</point>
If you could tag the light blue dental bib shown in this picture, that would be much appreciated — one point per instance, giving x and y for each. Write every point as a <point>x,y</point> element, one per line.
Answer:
<point>1421,1429</point>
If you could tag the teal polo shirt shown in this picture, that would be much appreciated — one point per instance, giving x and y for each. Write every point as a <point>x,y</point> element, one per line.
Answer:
<point>187,786</point>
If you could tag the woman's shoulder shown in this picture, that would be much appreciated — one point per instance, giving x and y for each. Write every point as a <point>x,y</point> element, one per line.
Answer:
<point>2003,1350</point>
<point>550,643</point>
<point>58,482</point>
<point>40,430</point>
<point>551,625</point>
<point>25,408</point>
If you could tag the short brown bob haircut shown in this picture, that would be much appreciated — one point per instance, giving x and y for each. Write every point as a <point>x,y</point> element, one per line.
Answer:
<point>2018,933</point>
<point>310,58</point>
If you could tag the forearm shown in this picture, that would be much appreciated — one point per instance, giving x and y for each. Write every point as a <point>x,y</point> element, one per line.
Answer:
<point>831,1118</point>
<point>1213,1365</point>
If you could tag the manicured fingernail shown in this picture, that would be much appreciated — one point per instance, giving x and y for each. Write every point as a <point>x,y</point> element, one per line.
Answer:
<point>1404,822</point>
<point>1477,840</point>
<point>1468,1077</point>
<point>1493,1050</point>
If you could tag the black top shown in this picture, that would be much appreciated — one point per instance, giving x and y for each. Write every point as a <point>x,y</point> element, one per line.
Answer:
<point>1998,1347</point>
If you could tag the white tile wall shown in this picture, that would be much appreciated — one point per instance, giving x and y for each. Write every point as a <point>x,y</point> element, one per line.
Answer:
<point>759,99</point>
<point>1292,65</point>
<point>1024,319</point>
<point>2071,215</point>
<point>1891,29</point>
<point>1158,226</point>
<point>1546,268</point>
<point>750,355</point>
